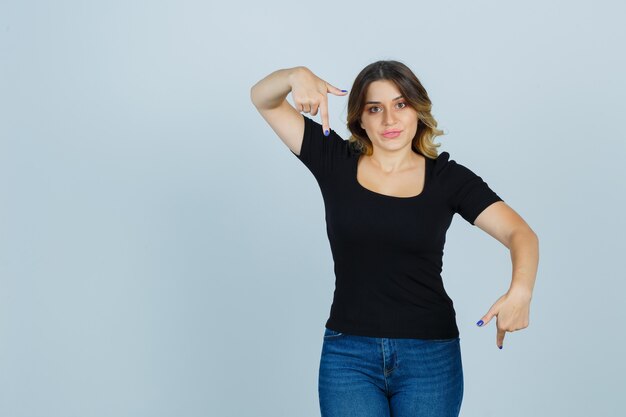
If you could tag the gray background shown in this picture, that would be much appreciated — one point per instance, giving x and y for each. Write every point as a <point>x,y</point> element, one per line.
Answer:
<point>162,253</point>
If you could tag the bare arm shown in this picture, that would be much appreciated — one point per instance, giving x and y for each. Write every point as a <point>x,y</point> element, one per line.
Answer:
<point>309,94</point>
<point>513,308</point>
<point>271,91</point>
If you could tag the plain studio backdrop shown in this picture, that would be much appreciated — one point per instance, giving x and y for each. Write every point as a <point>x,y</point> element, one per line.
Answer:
<point>162,253</point>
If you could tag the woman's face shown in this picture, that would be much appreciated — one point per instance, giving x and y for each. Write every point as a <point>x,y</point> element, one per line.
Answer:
<point>385,110</point>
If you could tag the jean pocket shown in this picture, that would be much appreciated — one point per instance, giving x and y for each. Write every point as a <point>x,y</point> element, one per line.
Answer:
<point>328,333</point>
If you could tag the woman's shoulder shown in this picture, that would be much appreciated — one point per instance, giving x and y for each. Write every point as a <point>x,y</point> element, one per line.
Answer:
<point>333,144</point>
<point>442,163</point>
<point>449,171</point>
<point>452,174</point>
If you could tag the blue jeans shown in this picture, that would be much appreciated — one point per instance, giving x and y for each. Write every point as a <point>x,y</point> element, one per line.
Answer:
<point>388,377</point>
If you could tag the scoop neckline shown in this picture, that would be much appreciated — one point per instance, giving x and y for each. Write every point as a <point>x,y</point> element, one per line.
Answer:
<point>392,197</point>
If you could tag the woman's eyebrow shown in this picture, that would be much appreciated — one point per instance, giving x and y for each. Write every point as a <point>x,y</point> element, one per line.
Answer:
<point>378,102</point>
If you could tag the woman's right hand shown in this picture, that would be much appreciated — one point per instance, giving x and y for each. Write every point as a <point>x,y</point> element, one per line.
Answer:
<point>310,93</point>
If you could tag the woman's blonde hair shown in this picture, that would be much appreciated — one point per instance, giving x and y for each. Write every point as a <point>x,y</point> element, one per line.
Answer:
<point>415,95</point>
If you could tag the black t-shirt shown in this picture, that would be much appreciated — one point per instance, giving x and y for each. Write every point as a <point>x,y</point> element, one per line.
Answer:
<point>388,250</point>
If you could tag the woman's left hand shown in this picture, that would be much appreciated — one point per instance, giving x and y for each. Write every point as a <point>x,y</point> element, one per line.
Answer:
<point>512,311</point>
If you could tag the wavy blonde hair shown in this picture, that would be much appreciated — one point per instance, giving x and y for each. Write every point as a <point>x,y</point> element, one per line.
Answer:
<point>415,95</point>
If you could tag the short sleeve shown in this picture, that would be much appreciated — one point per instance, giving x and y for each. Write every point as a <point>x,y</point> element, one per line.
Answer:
<point>321,154</point>
<point>468,194</point>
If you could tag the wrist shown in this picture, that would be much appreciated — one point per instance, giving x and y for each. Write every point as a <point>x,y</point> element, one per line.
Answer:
<point>522,291</point>
<point>291,74</point>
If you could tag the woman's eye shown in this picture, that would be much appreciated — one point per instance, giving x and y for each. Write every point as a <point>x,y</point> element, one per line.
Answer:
<point>376,107</point>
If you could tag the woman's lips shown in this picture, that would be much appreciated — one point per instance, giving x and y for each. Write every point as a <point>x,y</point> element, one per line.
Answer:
<point>391,135</point>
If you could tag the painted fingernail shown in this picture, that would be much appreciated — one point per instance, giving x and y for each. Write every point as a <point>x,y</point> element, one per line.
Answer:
<point>326,133</point>
<point>480,323</point>
<point>500,347</point>
<point>344,91</point>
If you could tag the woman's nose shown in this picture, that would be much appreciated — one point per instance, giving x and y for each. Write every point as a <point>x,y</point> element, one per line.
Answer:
<point>389,119</point>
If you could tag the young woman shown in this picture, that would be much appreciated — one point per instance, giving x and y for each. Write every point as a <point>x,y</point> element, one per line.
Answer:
<point>391,345</point>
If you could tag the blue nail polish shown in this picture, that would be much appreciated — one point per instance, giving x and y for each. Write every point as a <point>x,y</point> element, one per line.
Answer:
<point>480,323</point>
<point>500,347</point>
<point>344,91</point>
<point>326,133</point>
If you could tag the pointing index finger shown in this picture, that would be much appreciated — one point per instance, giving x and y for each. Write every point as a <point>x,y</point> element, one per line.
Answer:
<point>324,111</point>
<point>500,338</point>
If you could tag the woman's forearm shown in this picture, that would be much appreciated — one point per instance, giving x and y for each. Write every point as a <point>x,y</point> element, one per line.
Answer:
<point>272,90</point>
<point>524,248</point>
